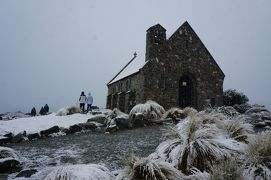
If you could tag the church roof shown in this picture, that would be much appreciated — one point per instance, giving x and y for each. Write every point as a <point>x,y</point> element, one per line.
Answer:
<point>132,67</point>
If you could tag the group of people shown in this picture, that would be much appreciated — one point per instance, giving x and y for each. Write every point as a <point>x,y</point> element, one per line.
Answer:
<point>83,99</point>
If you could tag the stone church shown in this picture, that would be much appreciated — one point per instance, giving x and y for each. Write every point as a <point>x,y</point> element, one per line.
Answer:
<point>178,71</point>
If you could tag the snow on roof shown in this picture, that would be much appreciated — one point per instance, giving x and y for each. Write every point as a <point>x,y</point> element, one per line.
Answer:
<point>132,67</point>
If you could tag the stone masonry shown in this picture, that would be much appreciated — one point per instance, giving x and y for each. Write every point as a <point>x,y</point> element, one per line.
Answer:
<point>179,72</point>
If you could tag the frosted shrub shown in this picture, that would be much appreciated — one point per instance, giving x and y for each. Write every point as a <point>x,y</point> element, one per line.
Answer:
<point>150,111</point>
<point>258,157</point>
<point>68,111</point>
<point>227,110</point>
<point>258,112</point>
<point>151,169</point>
<point>79,172</point>
<point>237,129</point>
<point>176,113</point>
<point>232,97</point>
<point>196,145</point>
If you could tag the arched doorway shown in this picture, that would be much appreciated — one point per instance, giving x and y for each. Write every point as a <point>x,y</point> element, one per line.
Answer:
<point>185,91</point>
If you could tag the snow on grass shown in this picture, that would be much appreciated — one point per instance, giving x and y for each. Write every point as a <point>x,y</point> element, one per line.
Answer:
<point>149,168</point>
<point>150,110</point>
<point>75,172</point>
<point>38,123</point>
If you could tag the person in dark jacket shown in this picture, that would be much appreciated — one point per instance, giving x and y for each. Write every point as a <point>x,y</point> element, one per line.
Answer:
<point>82,101</point>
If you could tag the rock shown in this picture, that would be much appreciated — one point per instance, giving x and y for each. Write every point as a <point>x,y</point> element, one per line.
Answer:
<point>96,112</point>
<point>54,129</point>
<point>88,125</point>
<point>112,128</point>
<point>7,138</point>
<point>4,140</point>
<point>99,118</point>
<point>26,173</point>
<point>1,118</point>
<point>123,123</point>
<point>138,120</point>
<point>9,165</point>
<point>18,138</point>
<point>75,128</point>
<point>66,131</point>
<point>33,136</point>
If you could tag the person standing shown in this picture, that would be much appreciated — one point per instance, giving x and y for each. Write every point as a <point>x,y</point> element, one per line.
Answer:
<point>89,102</point>
<point>82,101</point>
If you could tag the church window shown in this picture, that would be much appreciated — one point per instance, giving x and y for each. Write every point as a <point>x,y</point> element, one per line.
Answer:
<point>163,83</point>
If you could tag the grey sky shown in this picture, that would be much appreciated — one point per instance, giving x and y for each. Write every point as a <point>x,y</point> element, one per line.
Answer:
<point>52,50</point>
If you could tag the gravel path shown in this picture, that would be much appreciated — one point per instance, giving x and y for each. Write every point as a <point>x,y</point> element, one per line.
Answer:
<point>90,147</point>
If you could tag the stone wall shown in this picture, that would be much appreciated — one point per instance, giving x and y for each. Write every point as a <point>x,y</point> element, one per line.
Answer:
<point>183,54</point>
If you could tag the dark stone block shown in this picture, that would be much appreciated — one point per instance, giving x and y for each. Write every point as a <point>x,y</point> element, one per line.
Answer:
<point>123,123</point>
<point>47,132</point>
<point>18,138</point>
<point>33,136</point>
<point>75,128</point>
<point>88,125</point>
<point>9,166</point>
<point>26,173</point>
<point>99,119</point>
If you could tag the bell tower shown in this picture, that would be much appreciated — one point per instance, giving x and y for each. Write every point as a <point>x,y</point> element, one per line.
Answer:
<point>156,35</point>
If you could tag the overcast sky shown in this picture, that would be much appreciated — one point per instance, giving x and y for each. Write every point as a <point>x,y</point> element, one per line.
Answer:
<point>51,50</point>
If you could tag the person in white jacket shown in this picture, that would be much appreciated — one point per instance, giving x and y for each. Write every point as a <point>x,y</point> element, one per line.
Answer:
<point>82,101</point>
<point>89,102</point>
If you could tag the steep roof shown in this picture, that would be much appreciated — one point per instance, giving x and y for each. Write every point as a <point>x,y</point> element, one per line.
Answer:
<point>132,67</point>
<point>186,24</point>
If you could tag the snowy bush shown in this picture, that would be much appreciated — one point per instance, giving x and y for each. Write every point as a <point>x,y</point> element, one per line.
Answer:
<point>150,111</point>
<point>227,110</point>
<point>196,145</point>
<point>242,108</point>
<point>258,111</point>
<point>258,157</point>
<point>232,97</point>
<point>79,172</point>
<point>149,168</point>
<point>68,111</point>
<point>117,113</point>
<point>236,128</point>
<point>176,113</point>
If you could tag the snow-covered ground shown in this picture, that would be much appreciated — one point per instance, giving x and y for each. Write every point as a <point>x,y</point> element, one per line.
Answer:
<point>38,123</point>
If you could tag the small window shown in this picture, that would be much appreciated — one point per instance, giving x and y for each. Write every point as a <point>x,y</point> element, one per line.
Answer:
<point>127,86</point>
<point>212,102</point>
<point>163,83</point>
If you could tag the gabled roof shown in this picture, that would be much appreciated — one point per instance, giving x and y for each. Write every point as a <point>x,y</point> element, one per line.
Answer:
<point>186,24</point>
<point>132,67</point>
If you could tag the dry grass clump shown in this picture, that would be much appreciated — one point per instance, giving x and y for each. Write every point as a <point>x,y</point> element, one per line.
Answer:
<point>227,169</point>
<point>150,110</point>
<point>177,113</point>
<point>258,157</point>
<point>237,129</point>
<point>195,144</point>
<point>149,168</point>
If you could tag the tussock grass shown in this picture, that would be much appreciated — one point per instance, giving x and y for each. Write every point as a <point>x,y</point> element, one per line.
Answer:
<point>227,169</point>
<point>149,168</point>
<point>150,110</point>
